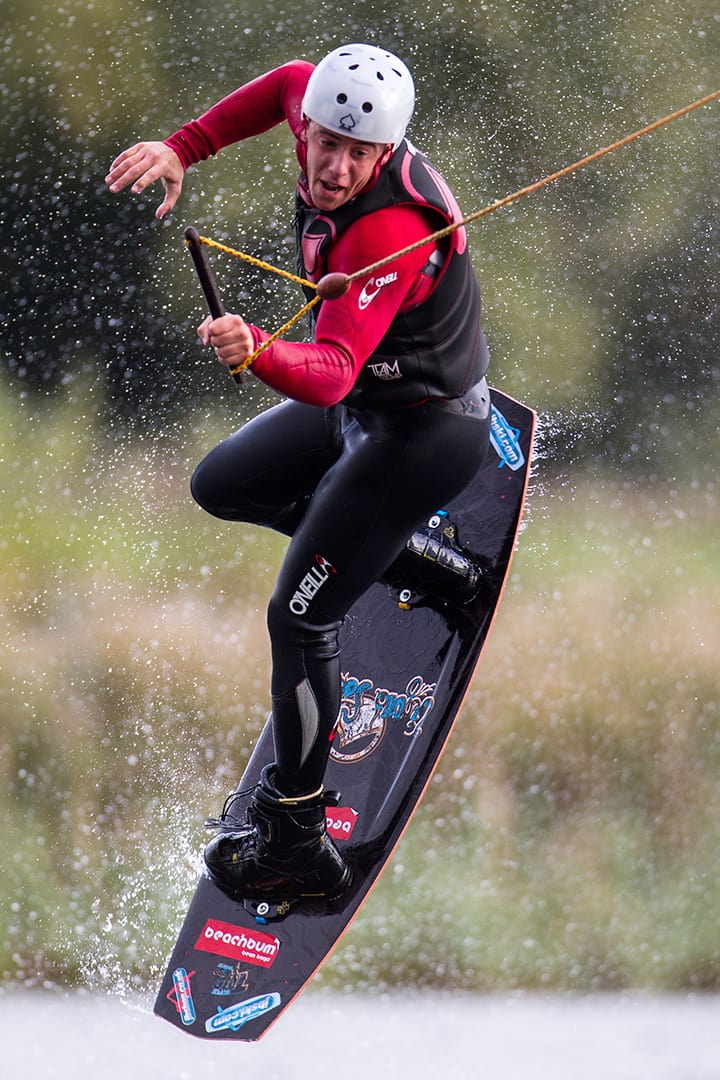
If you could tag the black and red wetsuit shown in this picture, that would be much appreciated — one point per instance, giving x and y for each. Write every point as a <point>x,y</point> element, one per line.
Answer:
<point>387,417</point>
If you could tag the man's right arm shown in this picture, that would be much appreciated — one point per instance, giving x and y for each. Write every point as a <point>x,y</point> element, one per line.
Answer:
<point>248,111</point>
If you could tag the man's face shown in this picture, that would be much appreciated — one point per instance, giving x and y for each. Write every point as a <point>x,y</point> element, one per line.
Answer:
<point>338,167</point>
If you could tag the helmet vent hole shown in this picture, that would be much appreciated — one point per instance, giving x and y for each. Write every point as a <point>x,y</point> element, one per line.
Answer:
<point>379,75</point>
<point>367,107</point>
<point>341,99</point>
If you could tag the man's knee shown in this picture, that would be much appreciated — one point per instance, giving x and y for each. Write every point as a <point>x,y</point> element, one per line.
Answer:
<point>203,489</point>
<point>289,626</point>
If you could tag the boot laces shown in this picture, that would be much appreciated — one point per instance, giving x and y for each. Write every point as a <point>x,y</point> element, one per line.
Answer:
<point>222,821</point>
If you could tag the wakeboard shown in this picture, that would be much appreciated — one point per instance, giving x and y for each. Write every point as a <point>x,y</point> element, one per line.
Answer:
<point>409,652</point>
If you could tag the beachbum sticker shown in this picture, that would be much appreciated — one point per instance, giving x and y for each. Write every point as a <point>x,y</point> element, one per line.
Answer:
<point>236,943</point>
<point>367,711</point>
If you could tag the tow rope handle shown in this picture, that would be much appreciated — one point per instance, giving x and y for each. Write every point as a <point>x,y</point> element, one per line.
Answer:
<point>209,285</point>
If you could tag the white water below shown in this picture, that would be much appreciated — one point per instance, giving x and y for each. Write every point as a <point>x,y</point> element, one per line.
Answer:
<point>80,1036</point>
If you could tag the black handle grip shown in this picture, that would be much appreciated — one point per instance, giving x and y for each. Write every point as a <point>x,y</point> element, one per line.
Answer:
<point>207,281</point>
<point>204,272</point>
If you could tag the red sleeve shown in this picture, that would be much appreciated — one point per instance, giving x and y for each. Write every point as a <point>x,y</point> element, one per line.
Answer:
<point>349,329</point>
<point>250,110</point>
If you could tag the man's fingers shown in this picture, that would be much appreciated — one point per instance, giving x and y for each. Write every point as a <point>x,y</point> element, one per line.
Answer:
<point>141,166</point>
<point>125,156</point>
<point>130,152</point>
<point>229,337</point>
<point>125,168</point>
<point>172,194</point>
<point>228,329</point>
<point>144,174</point>
<point>204,330</point>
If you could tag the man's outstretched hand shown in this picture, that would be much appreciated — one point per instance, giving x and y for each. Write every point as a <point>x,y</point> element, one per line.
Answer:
<point>143,164</point>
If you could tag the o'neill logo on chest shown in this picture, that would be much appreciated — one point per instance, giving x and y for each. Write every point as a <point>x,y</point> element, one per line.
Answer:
<point>373,287</point>
<point>313,581</point>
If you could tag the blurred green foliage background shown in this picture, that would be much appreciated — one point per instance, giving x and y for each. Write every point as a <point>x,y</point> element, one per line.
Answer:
<point>571,839</point>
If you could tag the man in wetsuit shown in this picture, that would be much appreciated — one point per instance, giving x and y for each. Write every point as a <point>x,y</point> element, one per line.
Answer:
<point>387,416</point>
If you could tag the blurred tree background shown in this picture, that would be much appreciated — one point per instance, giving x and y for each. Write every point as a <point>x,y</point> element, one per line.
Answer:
<point>600,292</point>
<point>601,305</point>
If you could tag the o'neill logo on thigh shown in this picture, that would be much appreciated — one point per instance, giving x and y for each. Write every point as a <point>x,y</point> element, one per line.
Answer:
<point>312,582</point>
<point>250,946</point>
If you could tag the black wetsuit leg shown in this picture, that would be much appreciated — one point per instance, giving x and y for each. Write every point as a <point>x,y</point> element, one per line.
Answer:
<point>267,471</point>
<point>350,489</point>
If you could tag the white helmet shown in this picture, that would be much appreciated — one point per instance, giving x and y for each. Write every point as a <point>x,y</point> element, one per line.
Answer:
<point>363,92</point>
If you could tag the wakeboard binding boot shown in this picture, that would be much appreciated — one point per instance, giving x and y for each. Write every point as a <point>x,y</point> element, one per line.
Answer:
<point>283,853</point>
<point>434,565</point>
